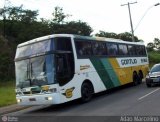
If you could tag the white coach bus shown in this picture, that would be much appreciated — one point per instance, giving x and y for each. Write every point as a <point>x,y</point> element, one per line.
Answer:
<point>59,68</point>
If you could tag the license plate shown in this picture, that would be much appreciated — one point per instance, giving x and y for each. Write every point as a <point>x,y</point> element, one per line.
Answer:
<point>32,99</point>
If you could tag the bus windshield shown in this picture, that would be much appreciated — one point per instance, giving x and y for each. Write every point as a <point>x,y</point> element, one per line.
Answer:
<point>33,49</point>
<point>35,71</point>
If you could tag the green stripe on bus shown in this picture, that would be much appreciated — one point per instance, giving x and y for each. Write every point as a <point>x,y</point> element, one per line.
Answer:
<point>110,71</point>
<point>103,74</point>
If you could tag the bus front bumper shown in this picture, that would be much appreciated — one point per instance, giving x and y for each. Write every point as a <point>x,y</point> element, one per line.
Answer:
<point>39,99</point>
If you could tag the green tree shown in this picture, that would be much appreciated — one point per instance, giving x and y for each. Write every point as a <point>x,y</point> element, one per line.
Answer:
<point>126,36</point>
<point>157,43</point>
<point>14,13</point>
<point>150,46</point>
<point>107,34</point>
<point>20,14</point>
<point>73,27</point>
<point>29,16</point>
<point>59,25</point>
<point>59,15</point>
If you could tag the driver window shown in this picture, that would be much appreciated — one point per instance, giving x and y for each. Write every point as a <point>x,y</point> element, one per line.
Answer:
<point>63,69</point>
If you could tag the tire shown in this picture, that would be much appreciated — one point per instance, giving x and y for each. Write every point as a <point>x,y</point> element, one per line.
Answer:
<point>135,79</point>
<point>86,92</point>
<point>140,76</point>
<point>148,85</point>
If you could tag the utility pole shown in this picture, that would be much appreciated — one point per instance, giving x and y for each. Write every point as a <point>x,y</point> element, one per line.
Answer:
<point>130,18</point>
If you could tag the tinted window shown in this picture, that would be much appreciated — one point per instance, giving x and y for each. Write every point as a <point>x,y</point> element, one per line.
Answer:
<point>99,48</point>
<point>123,49</point>
<point>131,50</point>
<point>140,50</point>
<point>112,49</point>
<point>143,50</point>
<point>83,48</point>
<point>63,43</point>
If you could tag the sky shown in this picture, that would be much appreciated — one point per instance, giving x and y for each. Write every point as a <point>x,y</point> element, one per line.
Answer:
<point>105,15</point>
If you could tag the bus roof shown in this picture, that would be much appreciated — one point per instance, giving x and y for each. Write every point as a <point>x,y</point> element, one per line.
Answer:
<point>79,37</point>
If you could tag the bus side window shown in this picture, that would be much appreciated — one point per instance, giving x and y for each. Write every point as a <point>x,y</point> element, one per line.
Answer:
<point>99,48</point>
<point>83,48</point>
<point>144,50</point>
<point>139,50</point>
<point>131,50</point>
<point>112,49</point>
<point>123,49</point>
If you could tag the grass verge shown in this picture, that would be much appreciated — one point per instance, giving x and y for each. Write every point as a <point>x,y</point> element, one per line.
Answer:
<point>7,93</point>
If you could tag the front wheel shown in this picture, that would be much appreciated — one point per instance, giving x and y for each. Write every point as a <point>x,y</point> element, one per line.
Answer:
<point>86,92</point>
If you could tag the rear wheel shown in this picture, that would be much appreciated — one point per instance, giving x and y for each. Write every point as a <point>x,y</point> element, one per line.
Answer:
<point>135,79</point>
<point>148,84</point>
<point>86,92</point>
<point>140,76</point>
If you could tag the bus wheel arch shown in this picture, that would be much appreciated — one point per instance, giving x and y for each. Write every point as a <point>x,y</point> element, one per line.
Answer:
<point>87,91</point>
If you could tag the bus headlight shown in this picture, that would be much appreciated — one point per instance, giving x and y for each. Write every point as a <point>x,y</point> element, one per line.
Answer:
<point>19,100</point>
<point>49,98</point>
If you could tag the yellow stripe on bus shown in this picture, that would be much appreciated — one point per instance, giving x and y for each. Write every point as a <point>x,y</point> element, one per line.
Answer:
<point>123,73</point>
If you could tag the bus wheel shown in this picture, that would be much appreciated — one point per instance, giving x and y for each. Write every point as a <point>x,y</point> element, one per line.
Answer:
<point>135,78</point>
<point>140,76</point>
<point>86,92</point>
<point>149,85</point>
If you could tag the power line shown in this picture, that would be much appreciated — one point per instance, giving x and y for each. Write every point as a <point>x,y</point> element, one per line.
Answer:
<point>145,14</point>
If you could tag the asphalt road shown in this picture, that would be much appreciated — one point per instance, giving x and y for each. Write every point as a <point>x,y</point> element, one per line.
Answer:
<point>125,101</point>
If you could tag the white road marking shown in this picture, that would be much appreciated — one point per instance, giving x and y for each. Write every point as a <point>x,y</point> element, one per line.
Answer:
<point>148,94</point>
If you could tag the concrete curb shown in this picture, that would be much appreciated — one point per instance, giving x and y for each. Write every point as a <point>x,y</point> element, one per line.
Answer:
<point>12,108</point>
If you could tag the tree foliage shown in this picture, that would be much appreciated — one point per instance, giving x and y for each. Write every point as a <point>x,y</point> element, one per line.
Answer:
<point>107,34</point>
<point>126,36</point>
<point>59,16</point>
<point>81,28</point>
<point>150,46</point>
<point>59,25</point>
<point>155,45</point>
